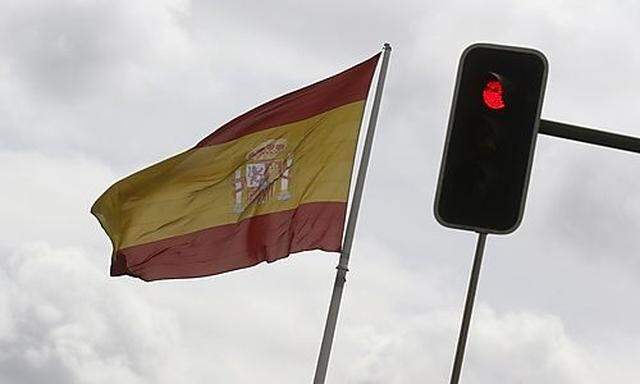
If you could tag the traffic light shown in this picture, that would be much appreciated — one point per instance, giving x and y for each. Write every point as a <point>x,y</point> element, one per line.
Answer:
<point>491,137</point>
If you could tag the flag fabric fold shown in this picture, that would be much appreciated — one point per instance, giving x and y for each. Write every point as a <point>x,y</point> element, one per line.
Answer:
<point>271,182</point>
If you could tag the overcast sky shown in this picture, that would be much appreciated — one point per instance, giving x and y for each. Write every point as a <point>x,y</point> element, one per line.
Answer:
<point>91,91</point>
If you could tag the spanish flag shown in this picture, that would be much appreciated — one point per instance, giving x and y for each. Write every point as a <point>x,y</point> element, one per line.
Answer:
<point>271,182</point>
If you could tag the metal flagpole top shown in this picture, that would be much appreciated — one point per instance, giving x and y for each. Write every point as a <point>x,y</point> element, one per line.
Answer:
<point>364,159</point>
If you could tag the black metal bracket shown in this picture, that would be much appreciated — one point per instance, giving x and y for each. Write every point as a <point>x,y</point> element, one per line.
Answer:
<point>589,135</point>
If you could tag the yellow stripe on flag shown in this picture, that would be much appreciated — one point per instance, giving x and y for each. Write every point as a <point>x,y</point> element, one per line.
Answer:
<point>198,189</point>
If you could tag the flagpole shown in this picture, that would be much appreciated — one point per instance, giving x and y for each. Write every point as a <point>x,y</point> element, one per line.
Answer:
<point>336,296</point>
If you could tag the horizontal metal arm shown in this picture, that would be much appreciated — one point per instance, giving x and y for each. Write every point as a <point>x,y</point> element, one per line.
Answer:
<point>591,136</point>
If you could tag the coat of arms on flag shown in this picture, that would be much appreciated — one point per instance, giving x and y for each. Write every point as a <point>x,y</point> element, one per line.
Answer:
<point>266,173</point>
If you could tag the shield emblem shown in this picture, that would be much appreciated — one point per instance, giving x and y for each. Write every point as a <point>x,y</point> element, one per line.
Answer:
<point>265,177</point>
<point>256,174</point>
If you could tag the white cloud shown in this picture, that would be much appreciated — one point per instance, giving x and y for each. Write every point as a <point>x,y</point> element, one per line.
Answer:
<point>513,348</point>
<point>93,90</point>
<point>66,322</point>
<point>47,198</point>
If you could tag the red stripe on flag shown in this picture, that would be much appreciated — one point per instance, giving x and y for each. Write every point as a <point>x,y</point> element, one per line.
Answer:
<point>233,246</point>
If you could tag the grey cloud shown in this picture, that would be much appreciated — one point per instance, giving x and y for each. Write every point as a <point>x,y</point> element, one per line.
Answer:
<point>64,51</point>
<point>94,329</point>
<point>92,91</point>
<point>79,331</point>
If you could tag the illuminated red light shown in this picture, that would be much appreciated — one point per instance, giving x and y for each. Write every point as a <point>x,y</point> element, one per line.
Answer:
<point>492,95</point>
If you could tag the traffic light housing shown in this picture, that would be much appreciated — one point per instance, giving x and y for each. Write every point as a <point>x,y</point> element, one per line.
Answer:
<point>493,125</point>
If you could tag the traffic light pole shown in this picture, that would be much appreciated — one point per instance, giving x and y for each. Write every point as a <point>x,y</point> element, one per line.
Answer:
<point>468,308</point>
<point>588,135</point>
<point>550,128</point>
